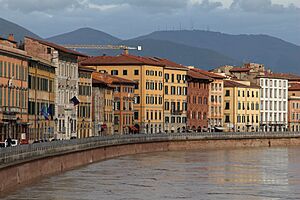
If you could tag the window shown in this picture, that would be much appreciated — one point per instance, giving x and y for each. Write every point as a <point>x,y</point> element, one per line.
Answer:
<point>172,78</point>
<point>227,105</point>
<point>166,89</point>
<point>125,72</point>
<point>173,90</point>
<point>167,105</point>
<point>136,115</point>
<point>167,120</point>
<point>136,72</point>
<point>114,72</point>
<point>48,50</point>
<point>227,93</point>
<point>227,118</point>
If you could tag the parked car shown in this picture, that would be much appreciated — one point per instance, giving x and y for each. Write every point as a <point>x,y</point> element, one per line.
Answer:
<point>13,142</point>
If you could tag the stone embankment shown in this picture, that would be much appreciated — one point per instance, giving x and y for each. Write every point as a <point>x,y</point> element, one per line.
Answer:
<point>24,164</point>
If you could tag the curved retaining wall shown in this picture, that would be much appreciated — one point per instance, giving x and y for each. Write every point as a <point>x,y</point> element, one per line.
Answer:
<point>22,165</point>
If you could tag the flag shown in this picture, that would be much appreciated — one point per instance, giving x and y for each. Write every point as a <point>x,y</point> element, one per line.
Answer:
<point>44,112</point>
<point>75,101</point>
<point>50,111</point>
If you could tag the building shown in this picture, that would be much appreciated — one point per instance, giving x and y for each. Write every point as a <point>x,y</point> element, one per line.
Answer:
<point>65,62</point>
<point>84,111</point>
<point>175,96</point>
<point>215,102</point>
<point>13,90</point>
<point>294,107</point>
<point>241,106</point>
<point>274,102</point>
<point>102,106</point>
<point>197,99</point>
<point>148,93</point>
<point>123,97</point>
<point>41,100</point>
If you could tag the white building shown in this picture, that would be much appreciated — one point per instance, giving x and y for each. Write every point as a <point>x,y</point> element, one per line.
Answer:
<point>274,103</point>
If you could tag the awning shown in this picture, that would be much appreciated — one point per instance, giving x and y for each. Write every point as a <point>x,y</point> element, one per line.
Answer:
<point>103,126</point>
<point>133,128</point>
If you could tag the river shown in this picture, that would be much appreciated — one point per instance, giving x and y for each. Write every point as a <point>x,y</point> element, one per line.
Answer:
<point>251,173</point>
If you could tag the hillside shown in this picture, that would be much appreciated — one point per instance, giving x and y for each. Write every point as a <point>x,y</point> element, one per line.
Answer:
<point>273,52</point>
<point>183,54</point>
<point>180,53</point>
<point>84,36</point>
<point>7,27</point>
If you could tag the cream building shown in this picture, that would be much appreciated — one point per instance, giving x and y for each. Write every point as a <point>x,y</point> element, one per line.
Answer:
<point>241,106</point>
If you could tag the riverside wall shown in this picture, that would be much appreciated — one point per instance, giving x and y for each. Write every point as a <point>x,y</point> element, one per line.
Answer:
<point>22,165</point>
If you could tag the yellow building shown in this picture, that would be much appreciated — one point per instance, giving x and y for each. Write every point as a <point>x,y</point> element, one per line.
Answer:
<point>41,98</point>
<point>149,92</point>
<point>175,96</point>
<point>84,115</point>
<point>241,106</point>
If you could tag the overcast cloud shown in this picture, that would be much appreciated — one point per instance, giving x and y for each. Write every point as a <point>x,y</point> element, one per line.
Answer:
<point>130,18</point>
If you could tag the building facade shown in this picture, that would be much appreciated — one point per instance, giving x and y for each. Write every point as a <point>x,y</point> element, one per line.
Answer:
<point>84,125</point>
<point>175,96</point>
<point>41,99</point>
<point>241,106</point>
<point>102,106</point>
<point>215,103</point>
<point>148,93</point>
<point>197,99</point>
<point>65,62</point>
<point>274,102</point>
<point>13,90</point>
<point>294,107</point>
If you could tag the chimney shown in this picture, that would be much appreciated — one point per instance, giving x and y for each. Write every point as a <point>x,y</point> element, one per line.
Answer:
<point>11,37</point>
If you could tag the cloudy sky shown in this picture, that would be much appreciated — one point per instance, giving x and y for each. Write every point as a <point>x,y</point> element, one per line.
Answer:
<point>130,18</point>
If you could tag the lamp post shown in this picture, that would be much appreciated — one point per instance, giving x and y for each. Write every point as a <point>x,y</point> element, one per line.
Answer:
<point>82,127</point>
<point>71,126</point>
<point>18,121</point>
<point>55,129</point>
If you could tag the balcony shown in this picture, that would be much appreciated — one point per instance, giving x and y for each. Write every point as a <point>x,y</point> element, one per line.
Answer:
<point>176,112</point>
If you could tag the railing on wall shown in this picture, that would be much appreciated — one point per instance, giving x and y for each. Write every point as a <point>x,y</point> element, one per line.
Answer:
<point>21,153</point>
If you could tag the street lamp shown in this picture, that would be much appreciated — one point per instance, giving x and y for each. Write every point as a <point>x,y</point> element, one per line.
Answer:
<point>55,130</point>
<point>18,121</point>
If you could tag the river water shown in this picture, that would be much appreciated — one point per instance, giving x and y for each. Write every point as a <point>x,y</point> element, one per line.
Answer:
<point>252,173</point>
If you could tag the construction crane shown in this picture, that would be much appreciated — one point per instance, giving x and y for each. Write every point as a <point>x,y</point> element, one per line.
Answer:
<point>96,46</point>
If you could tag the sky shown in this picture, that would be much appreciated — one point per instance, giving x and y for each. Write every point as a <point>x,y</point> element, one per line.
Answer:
<point>131,18</point>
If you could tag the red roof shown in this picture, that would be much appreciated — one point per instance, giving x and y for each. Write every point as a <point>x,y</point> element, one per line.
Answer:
<point>294,87</point>
<point>229,83</point>
<point>195,75</point>
<point>240,69</point>
<point>110,79</point>
<point>57,47</point>
<point>123,59</point>
<point>207,73</point>
<point>168,63</point>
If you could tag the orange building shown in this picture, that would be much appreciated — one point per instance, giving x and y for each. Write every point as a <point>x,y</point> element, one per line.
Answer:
<point>13,90</point>
<point>123,97</point>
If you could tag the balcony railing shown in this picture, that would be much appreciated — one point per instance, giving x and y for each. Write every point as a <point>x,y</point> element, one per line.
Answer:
<point>176,112</point>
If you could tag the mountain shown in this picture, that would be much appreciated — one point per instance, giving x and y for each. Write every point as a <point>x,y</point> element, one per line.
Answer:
<point>7,27</point>
<point>275,53</point>
<point>84,36</point>
<point>180,53</point>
